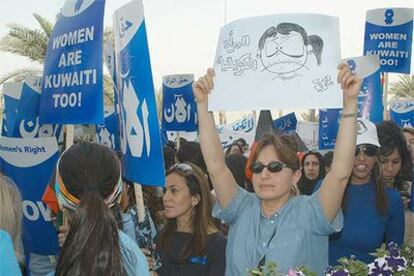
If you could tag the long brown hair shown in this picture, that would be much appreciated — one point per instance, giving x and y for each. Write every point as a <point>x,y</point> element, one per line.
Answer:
<point>202,221</point>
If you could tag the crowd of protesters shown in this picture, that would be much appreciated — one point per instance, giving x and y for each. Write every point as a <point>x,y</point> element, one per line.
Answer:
<point>224,211</point>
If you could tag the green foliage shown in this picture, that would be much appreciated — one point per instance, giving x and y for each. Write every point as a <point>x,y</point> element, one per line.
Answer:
<point>404,87</point>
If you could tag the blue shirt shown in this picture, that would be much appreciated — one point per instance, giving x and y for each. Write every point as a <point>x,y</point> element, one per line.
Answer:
<point>8,261</point>
<point>364,228</point>
<point>301,233</point>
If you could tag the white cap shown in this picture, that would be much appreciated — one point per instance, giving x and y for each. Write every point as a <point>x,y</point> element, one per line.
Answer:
<point>367,133</point>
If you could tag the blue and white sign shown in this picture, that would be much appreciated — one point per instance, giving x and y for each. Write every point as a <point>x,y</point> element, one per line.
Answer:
<point>286,124</point>
<point>108,134</point>
<point>179,110</point>
<point>402,112</point>
<point>140,137</point>
<point>244,128</point>
<point>11,93</point>
<point>24,120</point>
<point>388,34</point>
<point>30,163</point>
<point>328,127</point>
<point>72,91</point>
<point>370,105</point>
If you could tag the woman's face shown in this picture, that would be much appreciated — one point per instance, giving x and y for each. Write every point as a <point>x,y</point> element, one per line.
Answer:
<point>311,167</point>
<point>363,165</point>
<point>235,150</point>
<point>390,165</point>
<point>271,186</point>
<point>177,200</point>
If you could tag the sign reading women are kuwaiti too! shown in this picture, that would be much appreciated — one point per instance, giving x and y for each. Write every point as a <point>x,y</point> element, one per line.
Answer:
<point>142,160</point>
<point>72,91</point>
<point>389,34</point>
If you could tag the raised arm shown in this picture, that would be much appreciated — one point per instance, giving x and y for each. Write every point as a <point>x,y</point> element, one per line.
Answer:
<point>224,184</point>
<point>335,182</point>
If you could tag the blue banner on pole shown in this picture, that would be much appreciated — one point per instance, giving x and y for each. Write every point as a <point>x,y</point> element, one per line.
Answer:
<point>328,127</point>
<point>108,133</point>
<point>286,124</point>
<point>402,112</point>
<point>179,108</point>
<point>72,91</point>
<point>30,163</point>
<point>11,93</point>
<point>388,33</point>
<point>140,137</point>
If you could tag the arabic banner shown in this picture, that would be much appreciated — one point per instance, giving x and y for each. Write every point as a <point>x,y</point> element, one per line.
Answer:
<point>244,128</point>
<point>280,61</point>
<point>389,34</point>
<point>108,133</point>
<point>328,127</point>
<point>30,163</point>
<point>72,91</point>
<point>11,93</point>
<point>286,124</point>
<point>402,112</point>
<point>140,137</point>
<point>179,108</point>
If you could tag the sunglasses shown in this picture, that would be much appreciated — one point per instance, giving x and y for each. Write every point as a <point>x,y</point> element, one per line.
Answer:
<point>274,167</point>
<point>369,150</point>
<point>181,167</point>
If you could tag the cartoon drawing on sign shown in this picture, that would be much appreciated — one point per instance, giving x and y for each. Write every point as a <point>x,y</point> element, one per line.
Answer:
<point>78,5</point>
<point>284,50</point>
<point>389,14</point>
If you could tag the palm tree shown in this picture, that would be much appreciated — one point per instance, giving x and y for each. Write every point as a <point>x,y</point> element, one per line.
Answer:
<point>404,87</point>
<point>32,44</point>
<point>310,116</point>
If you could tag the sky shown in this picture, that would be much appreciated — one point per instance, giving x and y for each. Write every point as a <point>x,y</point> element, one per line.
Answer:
<point>182,34</point>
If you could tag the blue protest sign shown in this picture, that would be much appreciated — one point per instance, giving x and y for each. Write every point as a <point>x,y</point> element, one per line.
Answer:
<point>388,33</point>
<point>108,133</point>
<point>370,97</point>
<point>11,93</point>
<point>179,108</point>
<point>402,112</point>
<point>140,137</point>
<point>286,124</point>
<point>72,91</point>
<point>30,163</point>
<point>328,127</point>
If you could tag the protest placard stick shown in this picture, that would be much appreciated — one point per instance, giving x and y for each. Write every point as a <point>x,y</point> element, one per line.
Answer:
<point>139,198</point>
<point>178,140</point>
<point>385,96</point>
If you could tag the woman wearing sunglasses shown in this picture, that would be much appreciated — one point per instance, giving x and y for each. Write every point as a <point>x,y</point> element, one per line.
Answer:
<point>273,224</point>
<point>189,243</point>
<point>373,213</point>
<point>397,168</point>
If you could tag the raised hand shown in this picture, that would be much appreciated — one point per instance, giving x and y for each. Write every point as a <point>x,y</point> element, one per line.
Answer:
<point>350,82</point>
<point>203,86</point>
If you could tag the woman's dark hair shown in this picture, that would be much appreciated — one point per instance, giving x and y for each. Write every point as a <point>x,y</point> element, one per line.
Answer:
<point>392,138</point>
<point>202,220</point>
<point>237,165</point>
<point>90,172</point>
<point>286,28</point>
<point>305,184</point>
<point>169,157</point>
<point>228,150</point>
<point>327,158</point>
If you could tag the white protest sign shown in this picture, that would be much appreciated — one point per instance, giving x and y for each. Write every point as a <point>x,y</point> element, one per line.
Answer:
<point>277,61</point>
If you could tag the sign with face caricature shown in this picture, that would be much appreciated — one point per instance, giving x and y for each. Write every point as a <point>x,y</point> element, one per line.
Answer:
<point>179,110</point>
<point>142,160</point>
<point>277,61</point>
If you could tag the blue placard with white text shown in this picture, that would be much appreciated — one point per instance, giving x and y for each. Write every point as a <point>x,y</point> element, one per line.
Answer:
<point>402,112</point>
<point>30,163</point>
<point>72,91</point>
<point>140,137</point>
<point>179,108</point>
<point>108,133</point>
<point>389,33</point>
<point>286,124</point>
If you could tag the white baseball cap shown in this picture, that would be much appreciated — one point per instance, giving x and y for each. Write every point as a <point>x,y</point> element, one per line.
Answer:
<point>367,133</point>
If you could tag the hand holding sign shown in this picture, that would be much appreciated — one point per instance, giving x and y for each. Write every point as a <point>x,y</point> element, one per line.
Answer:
<point>350,83</point>
<point>203,87</point>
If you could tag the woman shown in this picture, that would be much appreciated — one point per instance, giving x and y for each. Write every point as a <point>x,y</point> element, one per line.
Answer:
<point>313,170</point>
<point>88,190</point>
<point>397,168</point>
<point>373,214</point>
<point>234,148</point>
<point>189,243</point>
<point>272,224</point>
<point>10,226</point>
